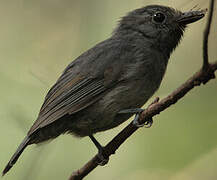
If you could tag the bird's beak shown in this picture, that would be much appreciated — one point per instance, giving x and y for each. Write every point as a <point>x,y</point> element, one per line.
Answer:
<point>190,17</point>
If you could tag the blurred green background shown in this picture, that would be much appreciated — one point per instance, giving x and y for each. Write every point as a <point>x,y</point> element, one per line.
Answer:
<point>39,38</point>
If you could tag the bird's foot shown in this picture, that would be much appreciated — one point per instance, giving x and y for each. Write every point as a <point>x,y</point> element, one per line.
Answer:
<point>102,159</point>
<point>148,123</point>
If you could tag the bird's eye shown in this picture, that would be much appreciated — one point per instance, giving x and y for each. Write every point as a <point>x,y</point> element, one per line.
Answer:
<point>159,17</point>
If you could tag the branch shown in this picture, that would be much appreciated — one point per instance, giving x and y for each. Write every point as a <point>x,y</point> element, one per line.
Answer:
<point>206,73</point>
<point>206,35</point>
<point>154,109</point>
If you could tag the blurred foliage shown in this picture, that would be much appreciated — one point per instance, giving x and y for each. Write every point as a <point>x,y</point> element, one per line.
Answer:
<point>39,38</point>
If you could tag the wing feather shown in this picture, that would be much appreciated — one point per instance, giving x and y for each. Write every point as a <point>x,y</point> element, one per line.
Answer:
<point>72,96</point>
<point>78,87</point>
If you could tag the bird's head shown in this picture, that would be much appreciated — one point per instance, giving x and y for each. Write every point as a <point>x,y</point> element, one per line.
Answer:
<point>163,26</point>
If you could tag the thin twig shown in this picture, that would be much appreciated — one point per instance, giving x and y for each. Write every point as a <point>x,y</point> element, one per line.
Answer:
<point>206,73</point>
<point>206,36</point>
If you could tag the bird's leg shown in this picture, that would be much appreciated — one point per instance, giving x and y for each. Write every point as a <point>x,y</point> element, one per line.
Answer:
<point>103,160</point>
<point>148,123</point>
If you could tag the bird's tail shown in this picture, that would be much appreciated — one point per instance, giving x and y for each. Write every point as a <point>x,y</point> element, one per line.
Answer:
<point>16,155</point>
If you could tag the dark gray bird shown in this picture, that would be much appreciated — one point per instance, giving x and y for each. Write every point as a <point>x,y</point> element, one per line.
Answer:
<point>120,73</point>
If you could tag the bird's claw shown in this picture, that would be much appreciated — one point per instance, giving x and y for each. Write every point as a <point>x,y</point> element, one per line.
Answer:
<point>148,123</point>
<point>102,160</point>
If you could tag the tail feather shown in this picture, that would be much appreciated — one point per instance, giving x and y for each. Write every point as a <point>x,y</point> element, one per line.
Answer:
<point>16,155</point>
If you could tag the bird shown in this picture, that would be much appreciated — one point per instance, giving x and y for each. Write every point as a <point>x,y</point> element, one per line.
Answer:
<point>108,83</point>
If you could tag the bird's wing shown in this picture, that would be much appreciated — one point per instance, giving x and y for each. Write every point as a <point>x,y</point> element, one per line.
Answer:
<point>82,83</point>
<point>68,96</point>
